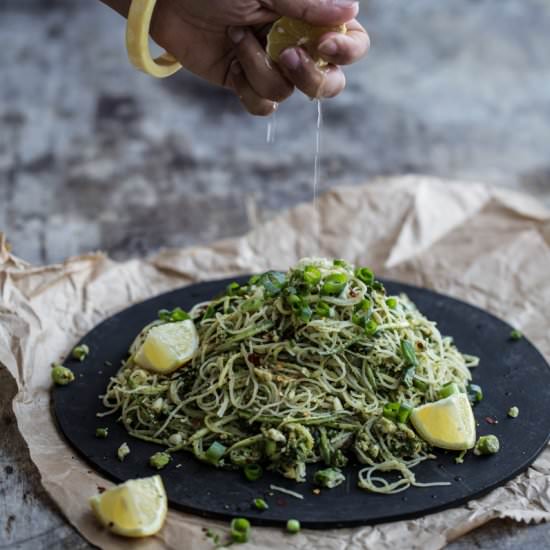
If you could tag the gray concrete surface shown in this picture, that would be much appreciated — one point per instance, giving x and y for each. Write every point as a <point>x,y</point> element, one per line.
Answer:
<point>95,155</point>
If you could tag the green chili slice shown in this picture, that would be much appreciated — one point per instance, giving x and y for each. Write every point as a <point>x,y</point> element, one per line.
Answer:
<point>334,284</point>
<point>312,275</point>
<point>365,275</point>
<point>391,410</point>
<point>215,452</point>
<point>448,389</point>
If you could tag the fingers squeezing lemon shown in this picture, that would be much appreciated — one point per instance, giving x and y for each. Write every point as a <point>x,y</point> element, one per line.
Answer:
<point>287,33</point>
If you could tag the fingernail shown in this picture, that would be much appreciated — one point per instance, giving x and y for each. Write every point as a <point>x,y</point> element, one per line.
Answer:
<point>236,34</point>
<point>329,47</point>
<point>236,67</point>
<point>290,59</point>
<point>345,3</point>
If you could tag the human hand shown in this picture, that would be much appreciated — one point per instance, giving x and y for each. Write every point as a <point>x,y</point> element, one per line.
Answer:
<point>223,41</point>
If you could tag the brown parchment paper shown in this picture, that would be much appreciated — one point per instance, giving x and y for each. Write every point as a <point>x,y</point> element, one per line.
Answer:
<point>488,246</point>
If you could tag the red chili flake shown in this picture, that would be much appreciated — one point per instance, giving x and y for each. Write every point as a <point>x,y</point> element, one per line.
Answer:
<point>255,359</point>
<point>101,489</point>
<point>491,420</point>
<point>281,501</point>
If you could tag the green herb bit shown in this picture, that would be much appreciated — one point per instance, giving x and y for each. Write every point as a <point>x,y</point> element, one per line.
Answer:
<point>329,477</point>
<point>273,282</point>
<point>177,314</point>
<point>378,286</point>
<point>293,526</point>
<point>365,275</point>
<point>516,335</point>
<point>102,433</point>
<point>448,389</point>
<point>61,376</point>
<point>253,472</point>
<point>159,460</point>
<point>81,352</point>
<point>260,504</point>
<point>233,289</point>
<point>391,410</point>
<point>209,311</point>
<point>513,412</point>
<point>251,305</point>
<point>240,530</point>
<point>334,284</point>
<point>312,275</point>
<point>487,445</point>
<point>475,393</point>
<point>123,451</point>
<point>391,302</point>
<point>409,354</point>
<point>215,452</point>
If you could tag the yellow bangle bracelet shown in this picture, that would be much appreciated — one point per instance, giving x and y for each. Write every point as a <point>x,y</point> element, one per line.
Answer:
<point>137,42</point>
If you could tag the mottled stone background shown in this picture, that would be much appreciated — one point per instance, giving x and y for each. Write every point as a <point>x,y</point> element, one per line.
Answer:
<point>94,155</point>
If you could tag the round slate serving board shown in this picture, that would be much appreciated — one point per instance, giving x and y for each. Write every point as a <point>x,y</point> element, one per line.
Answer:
<point>511,373</point>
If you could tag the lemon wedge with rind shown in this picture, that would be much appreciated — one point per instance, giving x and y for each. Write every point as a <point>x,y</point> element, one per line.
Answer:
<point>287,33</point>
<point>168,346</point>
<point>448,423</point>
<point>136,508</point>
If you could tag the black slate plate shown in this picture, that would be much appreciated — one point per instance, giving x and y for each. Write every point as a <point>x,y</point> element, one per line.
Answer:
<point>511,373</point>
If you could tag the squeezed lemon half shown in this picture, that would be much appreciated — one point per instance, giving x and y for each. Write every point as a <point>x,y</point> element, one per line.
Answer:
<point>136,508</point>
<point>167,347</point>
<point>448,423</point>
<point>287,32</point>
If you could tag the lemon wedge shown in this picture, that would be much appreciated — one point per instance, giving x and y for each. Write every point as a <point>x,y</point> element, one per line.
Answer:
<point>287,32</point>
<point>167,347</point>
<point>448,423</point>
<point>136,508</point>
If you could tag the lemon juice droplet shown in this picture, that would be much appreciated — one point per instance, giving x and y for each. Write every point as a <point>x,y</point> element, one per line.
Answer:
<point>316,175</point>
<point>271,128</point>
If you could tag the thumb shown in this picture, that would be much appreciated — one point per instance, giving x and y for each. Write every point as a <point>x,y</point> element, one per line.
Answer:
<point>316,12</point>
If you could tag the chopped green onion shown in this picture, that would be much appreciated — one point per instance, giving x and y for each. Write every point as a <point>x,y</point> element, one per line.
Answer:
<point>391,303</point>
<point>334,283</point>
<point>329,477</point>
<point>420,384</point>
<point>293,526</point>
<point>365,275</point>
<point>359,320</point>
<point>81,352</point>
<point>513,412</point>
<point>322,309</point>
<point>305,313</point>
<point>364,305</point>
<point>404,413</point>
<point>487,445</point>
<point>408,376</point>
<point>448,390</point>
<point>312,275</point>
<point>475,393</point>
<point>159,460</point>
<point>102,433</point>
<point>253,280</point>
<point>253,472</point>
<point>516,335</point>
<point>215,452</point>
<point>61,376</point>
<point>391,410</point>
<point>371,327</point>
<point>340,263</point>
<point>260,504</point>
<point>240,530</point>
